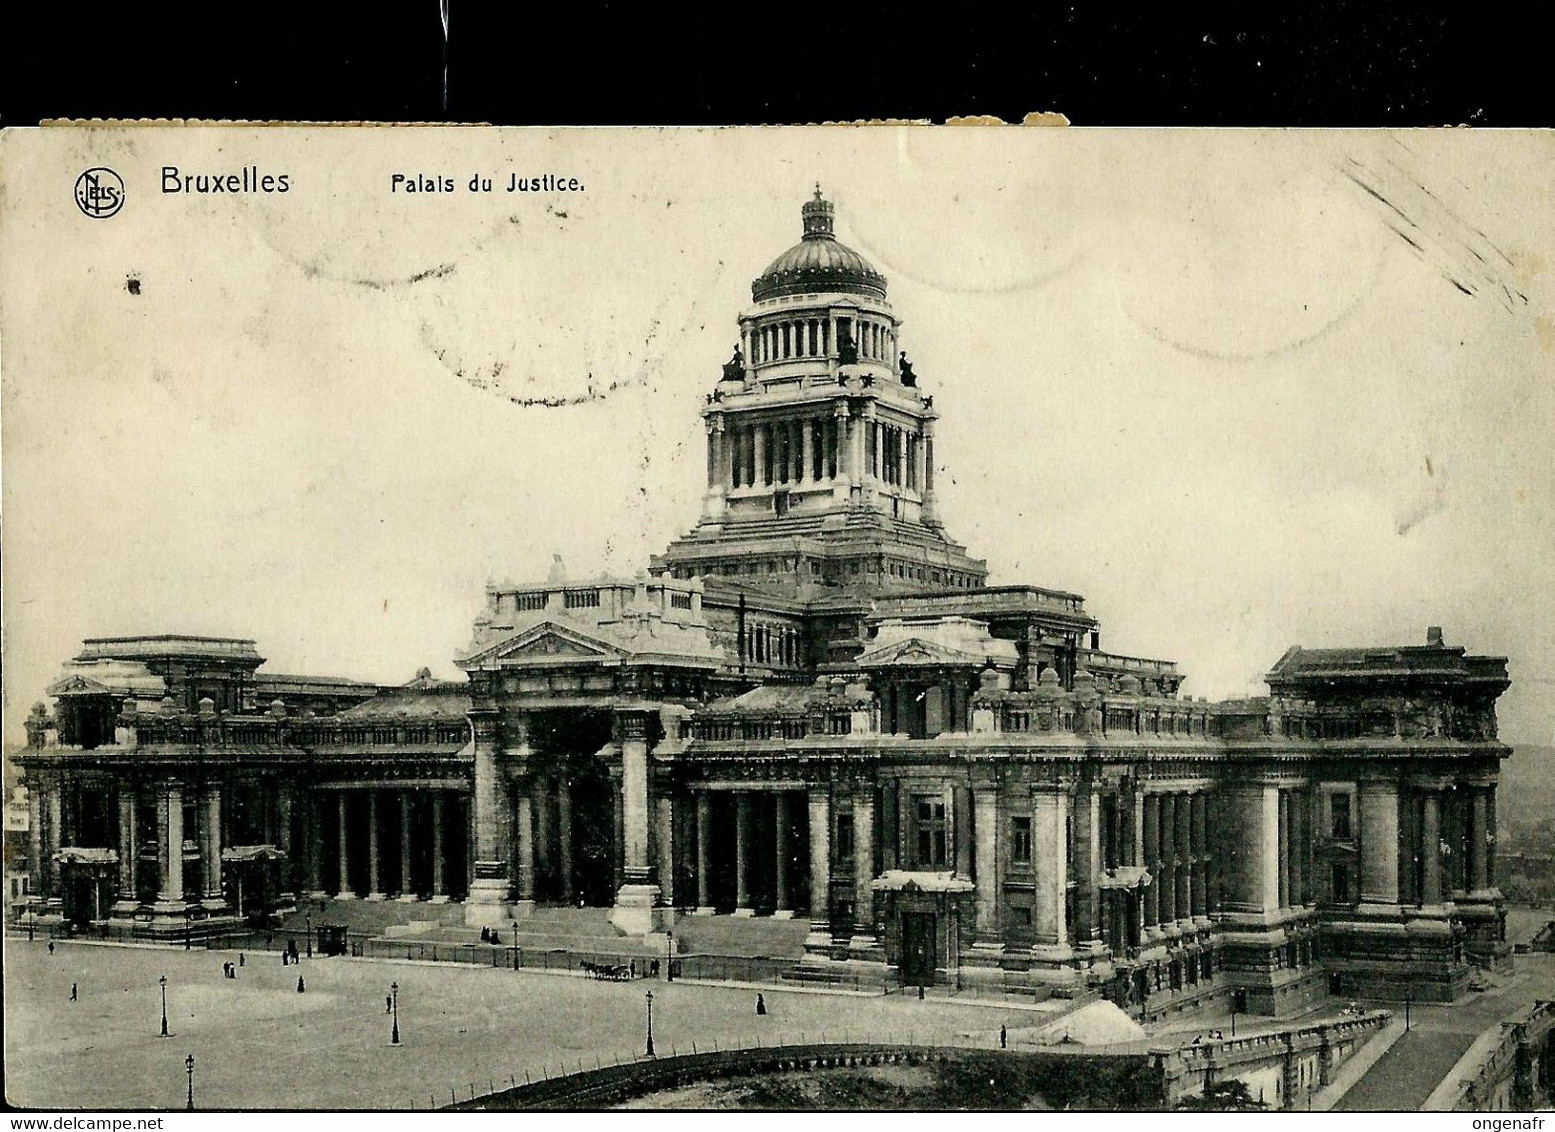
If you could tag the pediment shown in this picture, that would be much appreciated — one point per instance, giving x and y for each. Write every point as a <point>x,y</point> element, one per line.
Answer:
<point>916,651</point>
<point>546,643</point>
<point>77,685</point>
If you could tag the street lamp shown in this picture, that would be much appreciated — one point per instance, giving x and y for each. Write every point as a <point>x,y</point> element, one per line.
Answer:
<point>188,923</point>
<point>163,983</point>
<point>669,957</point>
<point>1407,999</point>
<point>394,997</point>
<point>515,945</point>
<point>32,918</point>
<point>649,1051</point>
<point>189,1068</point>
<point>308,916</point>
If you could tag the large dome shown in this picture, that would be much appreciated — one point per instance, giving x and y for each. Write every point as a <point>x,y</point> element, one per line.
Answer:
<point>818,262</point>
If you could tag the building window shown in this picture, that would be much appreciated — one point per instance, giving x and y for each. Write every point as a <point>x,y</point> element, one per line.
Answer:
<point>1020,840</point>
<point>931,832</point>
<point>1339,817</point>
<point>844,837</point>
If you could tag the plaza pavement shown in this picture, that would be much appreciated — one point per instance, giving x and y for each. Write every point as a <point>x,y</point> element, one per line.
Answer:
<point>258,1044</point>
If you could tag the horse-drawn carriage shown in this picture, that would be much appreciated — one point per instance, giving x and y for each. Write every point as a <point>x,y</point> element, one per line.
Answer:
<point>620,972</point>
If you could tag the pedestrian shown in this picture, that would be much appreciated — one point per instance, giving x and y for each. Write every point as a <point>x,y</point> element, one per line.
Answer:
<point>632,969</point>
<point>920,992</point>
<point>1004,1037</point>
<point>388,1003</point>
<point>485,935</point>
<point>51,947</point>
<point>72,992</point>
<point>761,1006</point>
<point>285,959</point>
<point>241,961</point>
<point>300,988</point>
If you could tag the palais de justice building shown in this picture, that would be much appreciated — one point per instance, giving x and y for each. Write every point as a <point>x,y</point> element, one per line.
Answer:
<point>813,705</point>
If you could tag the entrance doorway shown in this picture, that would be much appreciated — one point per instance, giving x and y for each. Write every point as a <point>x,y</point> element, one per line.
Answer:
<point>564,742</point>
<point>919,953</point>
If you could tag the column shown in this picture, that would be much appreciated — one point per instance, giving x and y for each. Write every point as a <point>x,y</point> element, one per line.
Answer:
<point>783,908</point>
<point>1198,845</point>
<point>313,830</point>
<point>211,844</point>
<point>36,865</point>
<point>491,837</point>
<point>545,832</point>
<point>959,806</point>
<point>344,889</point>
<point>930,509</point>
<point>637,896</point>
<point>985,828</point>
<point>54,809</point>
<point>1150,829</point>
<point>1182,839</point>
<point>525,836</point>
<point>818,942</point>
<point>1431,848</point>
<point>863,871</point>
<point>1252,813</point>
<point>1050,859</point>
<point>1490,835</point>
<point>1299,805</point>
<point>564,838</point>
<point>439,890</point>
<point>1167,824</point>
<point>374,858</point>
<point>856,426</point>
<point>128,853</point>
<point>1474,842</point>
<point>742,854</point>
<point>1379,842</point>
<point>704,853</point>
<point>759,433</point>
<point>407,883</point>
<point>288,841</point>
<point>1284,842</point>
<point>666,849</point>
<point>716,466</point>
<point>806,451</point>
<point>170,819</point>
<point>1088,868</point>
<point>617,825</point>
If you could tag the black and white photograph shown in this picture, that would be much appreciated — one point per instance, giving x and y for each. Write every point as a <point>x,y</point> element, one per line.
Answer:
<point>849,619</point>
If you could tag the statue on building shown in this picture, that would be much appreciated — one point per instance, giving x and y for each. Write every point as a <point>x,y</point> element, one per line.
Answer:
<point>908,377</point>
<point>734,368</point>
<point>847,349</point>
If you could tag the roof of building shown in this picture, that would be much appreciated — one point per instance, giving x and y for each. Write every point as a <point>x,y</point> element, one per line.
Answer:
<point>438,702</point>
<point>779,699</point>
<point>283,683</point>
<point>170,644</point>
<point>1434,659</point>
<point>818,263</point>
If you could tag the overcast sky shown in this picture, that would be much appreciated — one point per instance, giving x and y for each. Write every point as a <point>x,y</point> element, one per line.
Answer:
<point>1240,390</point>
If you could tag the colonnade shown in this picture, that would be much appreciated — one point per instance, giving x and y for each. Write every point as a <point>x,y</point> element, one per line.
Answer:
<point>816,336</point>
<point>818,447</point>
<point>403,825</point>
<point>794,451</point>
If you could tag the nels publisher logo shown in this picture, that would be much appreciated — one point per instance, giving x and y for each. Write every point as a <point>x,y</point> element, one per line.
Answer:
<point>99,193</point>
